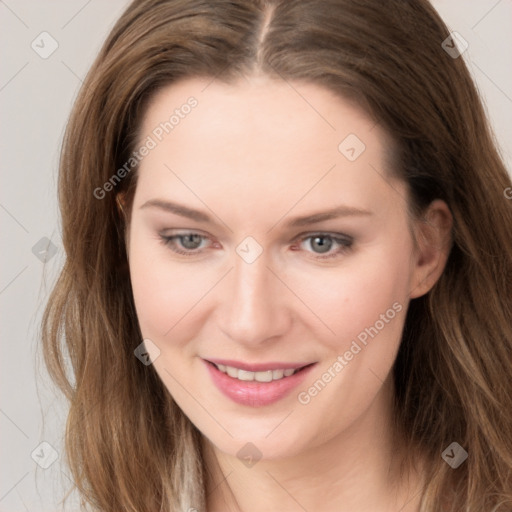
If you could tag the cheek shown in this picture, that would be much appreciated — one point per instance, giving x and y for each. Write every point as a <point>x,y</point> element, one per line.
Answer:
<point>164,290</point>
<point>364,303</point>
<point>365,291</point>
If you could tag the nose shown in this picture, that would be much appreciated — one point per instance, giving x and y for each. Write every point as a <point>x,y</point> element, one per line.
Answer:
<point>255,309</point>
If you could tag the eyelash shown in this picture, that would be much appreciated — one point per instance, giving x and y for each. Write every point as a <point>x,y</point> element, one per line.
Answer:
<point>345,242</point>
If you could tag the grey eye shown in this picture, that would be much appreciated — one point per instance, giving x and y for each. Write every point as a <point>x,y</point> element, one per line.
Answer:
<point>321,244</point>
<point>190,241</point>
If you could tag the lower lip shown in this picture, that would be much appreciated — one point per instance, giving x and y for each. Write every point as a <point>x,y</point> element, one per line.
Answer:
<point>254,393</point>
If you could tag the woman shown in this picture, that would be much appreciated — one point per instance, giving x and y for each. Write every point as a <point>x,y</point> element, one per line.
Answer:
<point>288,272</point>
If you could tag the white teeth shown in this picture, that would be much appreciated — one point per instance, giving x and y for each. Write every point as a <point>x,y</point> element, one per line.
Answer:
<point>277,374</point>
<point>244,375</point>
<point>232,372</point>
<point>265,376</point>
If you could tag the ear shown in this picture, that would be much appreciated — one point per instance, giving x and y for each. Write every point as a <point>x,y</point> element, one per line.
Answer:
<point>433,241</point>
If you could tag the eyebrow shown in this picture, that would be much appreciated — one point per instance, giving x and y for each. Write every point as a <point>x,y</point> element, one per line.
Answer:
<point>199,216</point>
<point>177,209</point>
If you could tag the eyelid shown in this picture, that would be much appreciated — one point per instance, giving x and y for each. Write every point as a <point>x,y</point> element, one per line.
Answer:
<point>344,241</point>
<point>301,236</point>
<point>329,234</point>
<point>167,240</point>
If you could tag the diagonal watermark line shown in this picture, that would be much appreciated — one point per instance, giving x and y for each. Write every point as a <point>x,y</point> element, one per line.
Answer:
<point>376,375</point>
<point>493,82</point>
<point>67,476</point>
<point>14,218</point>
<point>280,423</point>
<point>388,182</point>
<point>14,76</point>
<point>221,482</point>
<point>14,423</point>
<point>196,303</point>
<point>14,486</point>
<point>220,73</point>
<point>198,402</point>
<point>486,14</point>
<point>21,499</point>
<point>284,489</point>
<point>414,497</point>
<point>198,198</point>
<point>2,2</point>
<point>76,14</point>
<point>299,94</point>
<point>375,123</point>
<point>13,279</point>
<point>72,71</point>
<point>300,199</point>
<point>301,300</point>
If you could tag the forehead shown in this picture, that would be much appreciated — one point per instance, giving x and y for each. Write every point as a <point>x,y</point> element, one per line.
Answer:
<point>266,139</point>
<point>276,110</point>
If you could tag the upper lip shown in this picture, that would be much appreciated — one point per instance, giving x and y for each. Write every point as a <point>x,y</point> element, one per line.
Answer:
<point>257,367</point>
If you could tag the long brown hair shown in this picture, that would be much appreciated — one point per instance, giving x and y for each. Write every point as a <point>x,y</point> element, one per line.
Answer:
<point>128,444</point>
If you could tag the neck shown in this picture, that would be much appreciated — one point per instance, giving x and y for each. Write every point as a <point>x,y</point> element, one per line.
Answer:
<point>357,469</point>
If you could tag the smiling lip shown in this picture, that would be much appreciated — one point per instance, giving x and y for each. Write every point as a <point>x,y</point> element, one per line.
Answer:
<point>259,367</point>
<point>254,393</point>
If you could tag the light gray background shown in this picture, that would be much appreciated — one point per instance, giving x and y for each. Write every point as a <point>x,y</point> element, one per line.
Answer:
<point>36,95</point>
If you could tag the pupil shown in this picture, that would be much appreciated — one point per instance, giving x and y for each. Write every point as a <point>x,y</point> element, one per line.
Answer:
<point>322,246</point>
<point>191,241</point>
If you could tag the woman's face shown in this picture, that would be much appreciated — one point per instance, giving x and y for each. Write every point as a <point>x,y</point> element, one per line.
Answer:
<point>284,243</point>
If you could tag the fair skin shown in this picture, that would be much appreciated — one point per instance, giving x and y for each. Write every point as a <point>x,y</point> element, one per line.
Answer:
<point>253,156</point>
